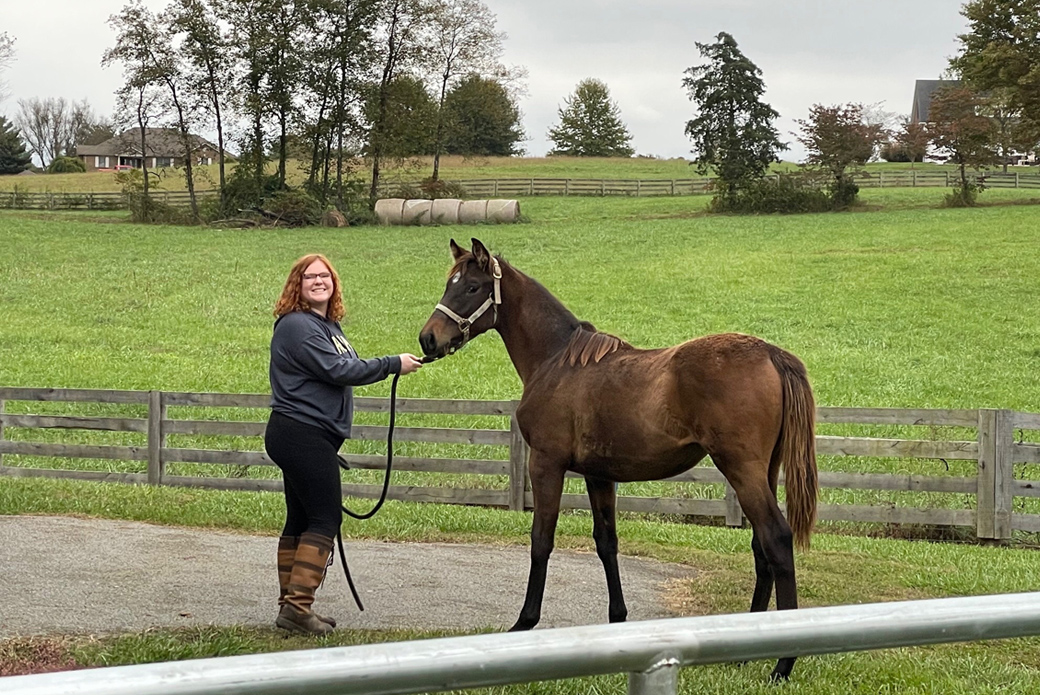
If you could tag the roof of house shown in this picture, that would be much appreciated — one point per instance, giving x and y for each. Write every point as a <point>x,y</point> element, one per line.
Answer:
<point>159,142</point>
<point>924,90</point>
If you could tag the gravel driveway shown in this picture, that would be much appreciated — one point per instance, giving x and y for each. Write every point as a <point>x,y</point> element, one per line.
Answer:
<point>65,575</point>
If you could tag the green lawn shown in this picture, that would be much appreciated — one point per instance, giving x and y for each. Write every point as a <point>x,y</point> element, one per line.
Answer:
<point>908,306</point>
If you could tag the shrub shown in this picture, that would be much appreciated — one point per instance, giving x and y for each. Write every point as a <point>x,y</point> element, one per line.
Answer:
<point>963,196</point>
<point>150,210</point>
<point>66,165</point>
<point>843,194</point>
<point>788,193</point>
<point>295,208</point>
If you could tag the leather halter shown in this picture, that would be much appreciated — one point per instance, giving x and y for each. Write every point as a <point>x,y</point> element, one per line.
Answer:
<point>493,300</point>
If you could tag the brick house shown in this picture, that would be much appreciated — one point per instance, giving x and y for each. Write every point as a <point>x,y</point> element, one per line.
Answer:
<point>163,148</point>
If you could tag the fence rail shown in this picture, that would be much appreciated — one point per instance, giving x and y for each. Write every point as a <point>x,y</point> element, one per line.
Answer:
<point>651,652</point>
<point>521,187</point>
<point>994,486</point>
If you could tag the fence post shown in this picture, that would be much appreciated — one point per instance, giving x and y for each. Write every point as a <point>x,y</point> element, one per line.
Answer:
<point>1016,179</point>
<point>660,679</point>
<point>734,514</point>
<point>518,454</point>
<point>947,178</point>
<point>566,186</point>
<point>673,186</point>
<point>913,178</point>
<point>996,474</point>
<point>156,414</point>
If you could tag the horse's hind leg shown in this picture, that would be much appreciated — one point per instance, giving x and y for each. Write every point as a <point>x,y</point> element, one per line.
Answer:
<point>774,540</point>
<point>547,486</point>
<point>763,578</point>
<point>603,499</point>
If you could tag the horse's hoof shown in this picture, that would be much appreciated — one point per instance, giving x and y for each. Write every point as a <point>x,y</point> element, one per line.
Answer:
<point>521,626</point>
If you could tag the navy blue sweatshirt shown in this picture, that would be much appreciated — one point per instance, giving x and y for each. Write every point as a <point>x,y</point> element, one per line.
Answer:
<point>313,368</point>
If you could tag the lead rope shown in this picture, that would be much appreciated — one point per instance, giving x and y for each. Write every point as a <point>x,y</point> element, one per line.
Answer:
<point>386,483</point>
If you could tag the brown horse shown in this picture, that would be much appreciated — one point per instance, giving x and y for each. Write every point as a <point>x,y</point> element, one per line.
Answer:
<point>597,406</point>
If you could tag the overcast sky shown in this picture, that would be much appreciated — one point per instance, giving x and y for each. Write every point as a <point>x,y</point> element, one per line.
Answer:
<point>810,52</point>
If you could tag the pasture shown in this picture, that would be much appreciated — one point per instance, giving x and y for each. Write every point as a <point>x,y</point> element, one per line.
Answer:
<point>905,306</point>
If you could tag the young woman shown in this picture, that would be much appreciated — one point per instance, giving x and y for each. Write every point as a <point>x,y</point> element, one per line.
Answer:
<point>313,369</point>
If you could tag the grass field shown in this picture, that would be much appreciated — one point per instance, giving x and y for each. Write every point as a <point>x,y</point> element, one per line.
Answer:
<point>903,306</point>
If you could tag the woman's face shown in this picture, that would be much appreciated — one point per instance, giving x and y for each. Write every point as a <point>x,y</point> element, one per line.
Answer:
<point>316,286</point>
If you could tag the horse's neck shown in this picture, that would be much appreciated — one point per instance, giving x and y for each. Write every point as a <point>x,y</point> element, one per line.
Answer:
<point>534,325</point>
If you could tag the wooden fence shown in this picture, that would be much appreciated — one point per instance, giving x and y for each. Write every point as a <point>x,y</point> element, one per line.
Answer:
<point>512,188</point>
<point>994,453</point>
<point>106,200</point>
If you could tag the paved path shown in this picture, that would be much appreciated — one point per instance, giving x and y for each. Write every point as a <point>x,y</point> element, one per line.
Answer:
<point>73,576</point>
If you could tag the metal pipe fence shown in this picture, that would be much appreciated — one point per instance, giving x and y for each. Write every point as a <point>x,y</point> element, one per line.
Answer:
<point>651,652</point>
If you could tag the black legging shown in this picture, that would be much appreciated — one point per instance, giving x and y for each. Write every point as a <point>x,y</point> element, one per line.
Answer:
<point>307,456</point>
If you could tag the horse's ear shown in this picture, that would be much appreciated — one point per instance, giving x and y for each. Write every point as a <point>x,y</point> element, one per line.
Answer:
<point>482,255</point>
<point>456,252</point>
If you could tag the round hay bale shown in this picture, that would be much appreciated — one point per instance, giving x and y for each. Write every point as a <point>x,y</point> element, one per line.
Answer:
<point>416,211</point>
<point>472,211</point>
<point>445,211</point>
<point>333,218</point>
<point>503,211</point>
<point>388,210</point>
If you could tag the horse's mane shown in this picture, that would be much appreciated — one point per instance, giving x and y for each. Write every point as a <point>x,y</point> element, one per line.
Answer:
<point>588,344</point>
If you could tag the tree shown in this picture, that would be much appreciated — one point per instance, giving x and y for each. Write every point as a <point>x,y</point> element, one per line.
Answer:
<point>400,46</point>
<point>1002,51</point>
<point>733,131</point>
<point>145,48</point>
<point>590,124</point>
<point>341,59</point>
<point>1009,133</point>
<point>204,51</point>
<point>464,42</point>
<point>912,139</point>
<point>52,127</point>
<point>410,118</point>
<point>6,57</point>
<point>14,158</point>
<point>839,138</point>
<point>482,119</point>
<point>962,135</point>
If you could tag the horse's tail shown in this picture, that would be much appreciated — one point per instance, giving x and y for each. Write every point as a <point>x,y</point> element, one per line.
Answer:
<point>796,446</point>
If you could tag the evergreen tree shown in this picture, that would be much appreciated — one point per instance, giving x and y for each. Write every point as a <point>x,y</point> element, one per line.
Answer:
<point>14,158</point>
<point>482,119</point>
<point>733,131</point>
<point>590,124</point>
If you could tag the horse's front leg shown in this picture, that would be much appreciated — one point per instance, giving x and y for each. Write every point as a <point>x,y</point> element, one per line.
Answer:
<point>547,485</point>
<point>603,500</point>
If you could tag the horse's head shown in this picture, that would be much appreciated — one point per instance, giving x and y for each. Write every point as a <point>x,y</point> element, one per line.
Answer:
<point>470,302</point>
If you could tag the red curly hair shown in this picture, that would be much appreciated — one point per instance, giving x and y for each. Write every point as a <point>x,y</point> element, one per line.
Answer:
<point>291,299</point>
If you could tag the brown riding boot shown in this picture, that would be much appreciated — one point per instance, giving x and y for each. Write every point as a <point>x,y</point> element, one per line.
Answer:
<point>312,555</point>
<point>286,554</point>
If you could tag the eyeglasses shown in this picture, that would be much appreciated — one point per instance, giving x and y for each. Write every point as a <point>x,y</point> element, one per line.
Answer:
<point>315,276</point>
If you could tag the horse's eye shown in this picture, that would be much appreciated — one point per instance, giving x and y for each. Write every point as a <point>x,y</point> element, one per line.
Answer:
<point>472,289</point>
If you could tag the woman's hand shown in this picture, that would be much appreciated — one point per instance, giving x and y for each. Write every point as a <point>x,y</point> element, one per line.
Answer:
<point>409,363</point>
